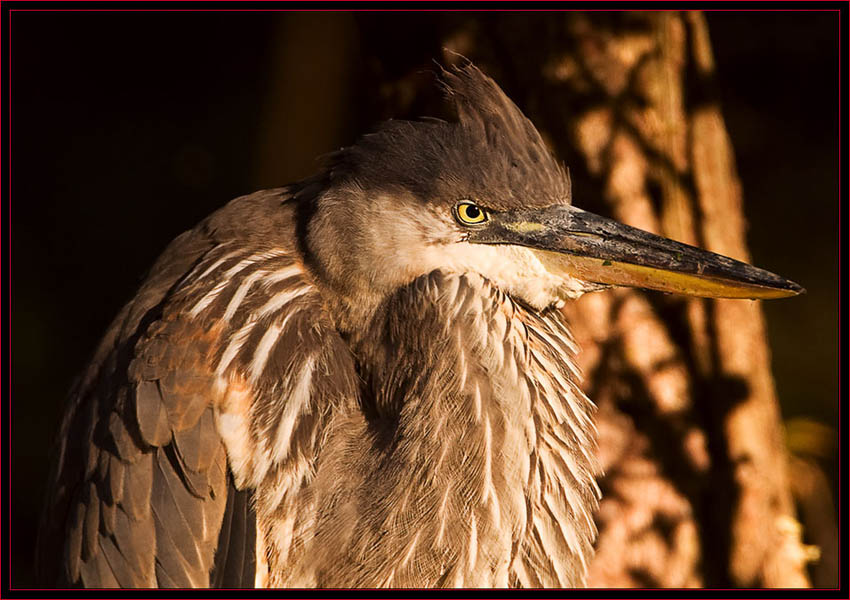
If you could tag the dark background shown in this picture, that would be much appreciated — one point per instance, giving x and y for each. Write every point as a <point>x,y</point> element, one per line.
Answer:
<point>128,128</point>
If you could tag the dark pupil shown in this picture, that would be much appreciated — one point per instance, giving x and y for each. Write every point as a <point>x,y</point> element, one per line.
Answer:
<point>472,212</point>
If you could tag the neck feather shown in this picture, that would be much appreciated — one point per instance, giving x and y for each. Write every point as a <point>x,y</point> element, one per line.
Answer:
<point>487,468</point>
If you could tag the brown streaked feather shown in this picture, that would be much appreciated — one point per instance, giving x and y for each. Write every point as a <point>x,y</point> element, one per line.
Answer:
<point>110,439</point>
<point>438,359</point>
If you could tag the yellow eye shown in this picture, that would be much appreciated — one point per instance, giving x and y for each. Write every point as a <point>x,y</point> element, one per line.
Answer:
<point>468,213</point>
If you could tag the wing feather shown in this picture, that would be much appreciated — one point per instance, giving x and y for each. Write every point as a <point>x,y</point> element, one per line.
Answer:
<point>177,520</point>
<point>73,542</point>
<point>107,518</point>
<point>138,477</point>
<point>172,568</point>
<point>197,446</point>
<point>96,572</point>
<point>124,570</point>
<point>91,523</point>
<point>234,561</point>
<point>133,538</point>
<point>151,414</point>
<point>141,492</point>
<point>115,480</point>
<point>120,441</point>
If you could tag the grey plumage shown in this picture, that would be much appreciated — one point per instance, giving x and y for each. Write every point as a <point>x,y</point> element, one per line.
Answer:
<point>333,384</point>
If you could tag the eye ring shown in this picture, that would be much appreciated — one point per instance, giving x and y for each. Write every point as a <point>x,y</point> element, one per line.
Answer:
<point>468,213</point>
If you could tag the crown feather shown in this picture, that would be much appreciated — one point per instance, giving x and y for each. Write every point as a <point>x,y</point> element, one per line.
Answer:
<point>491,153</point>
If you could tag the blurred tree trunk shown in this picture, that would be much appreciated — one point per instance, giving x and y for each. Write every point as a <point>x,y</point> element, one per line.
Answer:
<point>696,489</point>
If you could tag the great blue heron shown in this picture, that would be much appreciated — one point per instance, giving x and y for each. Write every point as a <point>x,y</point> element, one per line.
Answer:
<point>362,379</point>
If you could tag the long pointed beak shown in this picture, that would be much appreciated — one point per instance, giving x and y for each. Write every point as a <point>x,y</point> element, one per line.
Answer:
<point>594,249</point>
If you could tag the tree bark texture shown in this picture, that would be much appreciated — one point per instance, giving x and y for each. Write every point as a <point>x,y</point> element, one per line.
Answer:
<point>696,489</point>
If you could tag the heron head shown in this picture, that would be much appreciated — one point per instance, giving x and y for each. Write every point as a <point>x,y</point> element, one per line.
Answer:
<point>483,194</point>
